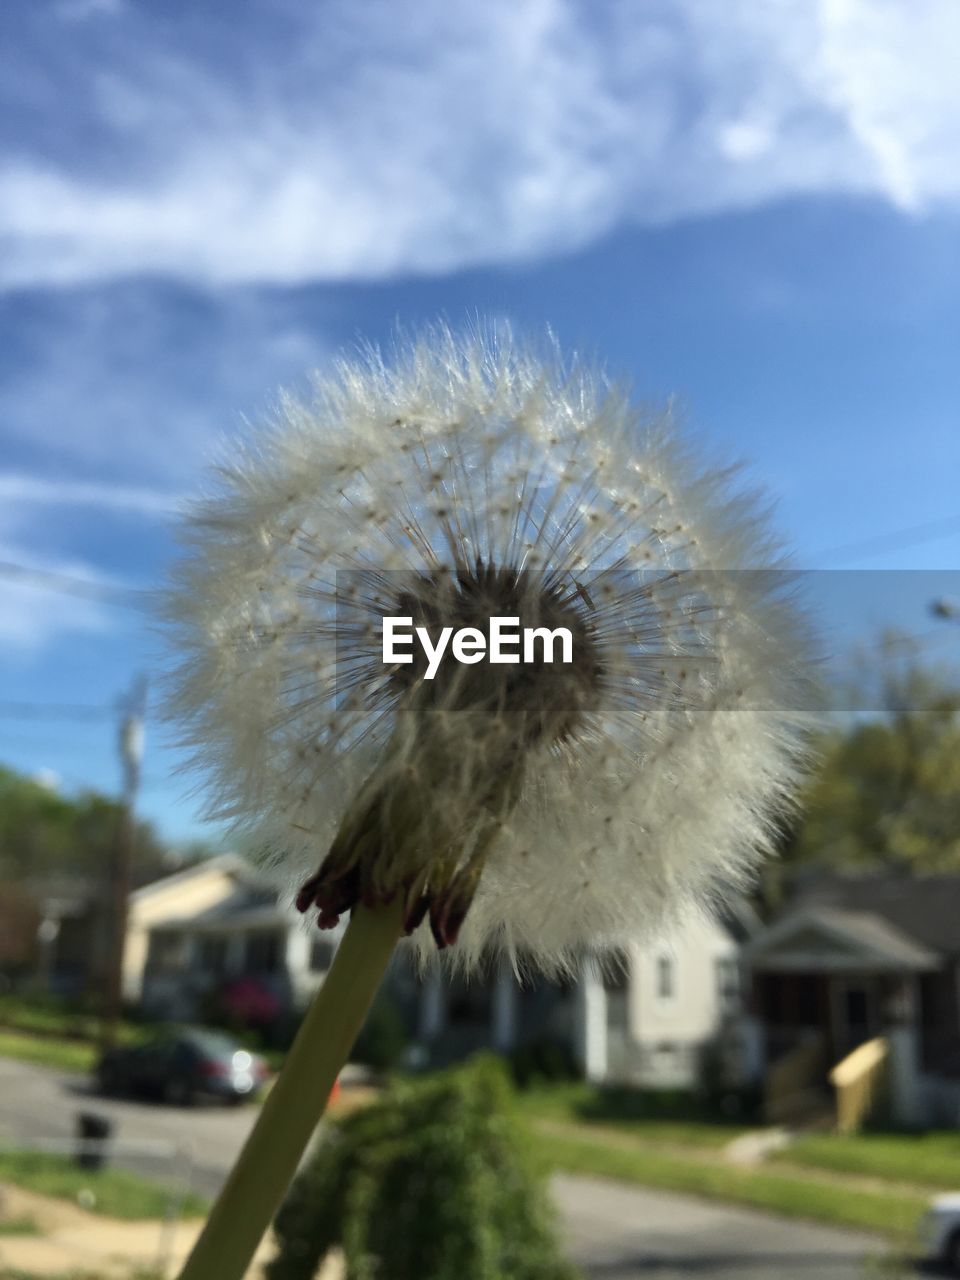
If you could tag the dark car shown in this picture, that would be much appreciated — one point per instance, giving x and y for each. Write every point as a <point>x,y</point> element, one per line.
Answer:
<point>183,1065</point>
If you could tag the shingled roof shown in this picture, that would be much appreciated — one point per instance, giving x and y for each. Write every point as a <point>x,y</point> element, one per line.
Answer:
<point>924,908</point>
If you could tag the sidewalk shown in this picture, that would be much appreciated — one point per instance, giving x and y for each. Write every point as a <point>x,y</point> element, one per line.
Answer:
<point>72,1240</point>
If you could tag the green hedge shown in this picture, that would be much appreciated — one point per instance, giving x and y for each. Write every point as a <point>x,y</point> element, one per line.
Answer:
<point>431,1183</point>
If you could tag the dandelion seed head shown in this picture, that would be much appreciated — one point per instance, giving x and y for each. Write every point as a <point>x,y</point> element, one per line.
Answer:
<point>535,808</point>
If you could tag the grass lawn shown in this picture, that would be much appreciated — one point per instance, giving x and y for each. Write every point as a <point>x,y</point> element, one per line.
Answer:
<point>69,1055</point>
<point>670,1119</point>
<point>928,1159</point>
<point>893,1214</point>
<point>16,1273</point>
<point>22,1226</point>
<point>47,1017</point>
<point>118,1194</point>
<point>44,1032</point>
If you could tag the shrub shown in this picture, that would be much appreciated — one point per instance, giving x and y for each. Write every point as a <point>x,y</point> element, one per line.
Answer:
<point>383,1038</point>
<point>432,1183</point>
<point>541,1061</point>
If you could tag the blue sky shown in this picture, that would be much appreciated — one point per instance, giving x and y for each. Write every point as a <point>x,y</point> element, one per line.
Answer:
<point>753,209</point>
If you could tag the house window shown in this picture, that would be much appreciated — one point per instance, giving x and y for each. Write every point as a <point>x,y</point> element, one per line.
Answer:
<point>213,954</point>
<point>168,952</point>
<point>666,977</point>
<point>262,953</point>
<point>321,955</point>
<point>728,985</point>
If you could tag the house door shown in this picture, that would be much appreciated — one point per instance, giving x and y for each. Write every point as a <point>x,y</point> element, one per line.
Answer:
<point>856,1014</point>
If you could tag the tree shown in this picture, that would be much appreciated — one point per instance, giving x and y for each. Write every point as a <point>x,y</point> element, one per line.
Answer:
<point>19,919</point>
<point>887,792</point>
<point>45,834</point>
<point>432,1183</point>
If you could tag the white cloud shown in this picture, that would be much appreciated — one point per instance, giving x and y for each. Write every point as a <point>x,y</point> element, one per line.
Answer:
<point>132,387</point>
<point>82,10</point>
<point>32,616</point>
<point>19,488</point>
<point>48,778</point>
<point>296,142</point>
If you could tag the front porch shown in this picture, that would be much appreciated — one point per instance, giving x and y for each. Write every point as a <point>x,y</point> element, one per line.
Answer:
<point>825,982</point>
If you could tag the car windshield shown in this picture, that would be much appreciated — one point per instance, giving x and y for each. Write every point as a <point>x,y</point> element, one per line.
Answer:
<point>213,1043</point>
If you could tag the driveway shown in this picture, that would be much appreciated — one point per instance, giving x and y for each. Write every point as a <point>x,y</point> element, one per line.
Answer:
<point>614,1231</point>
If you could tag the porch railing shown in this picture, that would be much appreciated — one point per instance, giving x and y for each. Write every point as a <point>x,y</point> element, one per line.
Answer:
<point>793,1084</point>
<point>859,1082</point>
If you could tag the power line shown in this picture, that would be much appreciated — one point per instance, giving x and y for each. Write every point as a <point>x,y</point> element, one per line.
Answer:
<point>896,540</point>
<point>66,584</point>
<point>56,711</point>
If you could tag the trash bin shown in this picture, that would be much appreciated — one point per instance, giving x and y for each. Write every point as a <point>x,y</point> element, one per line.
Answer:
<point>94,1132</point>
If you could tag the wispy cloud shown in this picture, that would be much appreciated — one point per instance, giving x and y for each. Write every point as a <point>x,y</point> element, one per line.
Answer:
<point>122,498</point>
<point>32,616</point>
<point>132,387</point>
<point>285,141</point>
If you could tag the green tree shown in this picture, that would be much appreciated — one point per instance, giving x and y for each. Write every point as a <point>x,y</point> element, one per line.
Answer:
<point>44,833</point>
<point>432,1183</point>
<point>887,791</point>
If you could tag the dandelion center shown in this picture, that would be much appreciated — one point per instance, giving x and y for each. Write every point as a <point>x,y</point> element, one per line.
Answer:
<point>538,701</point>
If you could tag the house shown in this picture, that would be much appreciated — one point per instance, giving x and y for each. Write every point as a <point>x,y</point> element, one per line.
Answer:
<point>217,921</point>
<point>855,958</point>
<point>643,1015</point>
<point>72,935</point>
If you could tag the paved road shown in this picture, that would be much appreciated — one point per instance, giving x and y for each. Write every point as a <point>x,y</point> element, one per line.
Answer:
<point>39,1105</point>
<point>619,1232</point>
<point>614,1231</point>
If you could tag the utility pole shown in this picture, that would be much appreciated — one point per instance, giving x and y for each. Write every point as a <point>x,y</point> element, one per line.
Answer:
<point>130,745</point>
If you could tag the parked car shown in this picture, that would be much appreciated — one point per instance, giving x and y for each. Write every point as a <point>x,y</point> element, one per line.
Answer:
<point>183,1065</point>
<point>940,1231</point>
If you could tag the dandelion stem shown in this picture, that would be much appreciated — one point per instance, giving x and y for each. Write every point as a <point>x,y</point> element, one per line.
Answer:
<point>269,1159</point>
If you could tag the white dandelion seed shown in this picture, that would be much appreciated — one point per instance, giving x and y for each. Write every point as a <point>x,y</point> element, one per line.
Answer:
<point>564,804</point>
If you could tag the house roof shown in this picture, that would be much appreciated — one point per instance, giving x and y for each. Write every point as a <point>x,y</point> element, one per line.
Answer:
<point>228,862</point>
<point>924,908</point>
<point>246,905</point>
<point>815,939</point>
<point>241,910</point>
<point>739,919</point>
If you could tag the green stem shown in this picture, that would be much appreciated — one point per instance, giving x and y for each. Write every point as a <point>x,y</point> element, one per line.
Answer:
<point>266,1165</point>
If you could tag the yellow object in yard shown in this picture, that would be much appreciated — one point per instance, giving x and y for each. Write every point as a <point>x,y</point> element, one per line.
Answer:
<point>859,1081</point>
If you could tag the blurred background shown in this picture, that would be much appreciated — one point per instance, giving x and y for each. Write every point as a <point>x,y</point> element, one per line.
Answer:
<point>749,212</point>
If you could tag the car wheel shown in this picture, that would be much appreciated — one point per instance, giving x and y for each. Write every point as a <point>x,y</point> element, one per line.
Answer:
<point>108,1080</point>
<point>178,1092</point>
<point>952,1253</point>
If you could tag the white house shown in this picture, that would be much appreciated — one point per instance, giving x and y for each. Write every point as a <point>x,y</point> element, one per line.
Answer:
<point>643,1016</point>
<point>219,919</point>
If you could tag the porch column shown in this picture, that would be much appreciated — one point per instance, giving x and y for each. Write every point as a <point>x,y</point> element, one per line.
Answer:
<point>504,1010</point>
<point>904,1061</point>
<point>236,953</point>
<point>591,1022</point>
<point>296,964</point>
<point>432,1004</point>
